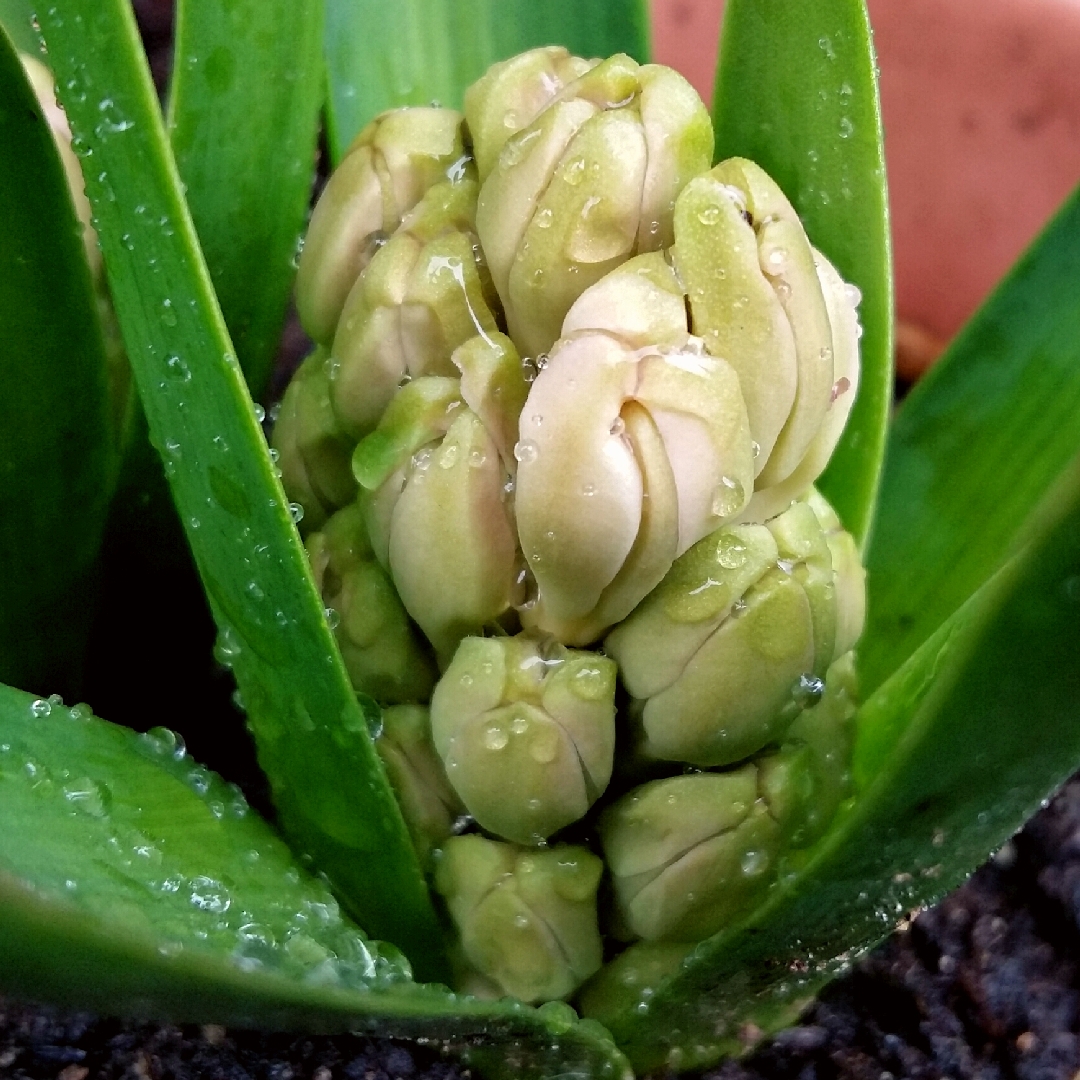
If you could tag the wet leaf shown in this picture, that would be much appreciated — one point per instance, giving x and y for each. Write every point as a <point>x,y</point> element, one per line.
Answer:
<point>55,453</point>
<point>132,880</point>
<point>313,739</point>
<point>243,116</point>
<point>974,447</point>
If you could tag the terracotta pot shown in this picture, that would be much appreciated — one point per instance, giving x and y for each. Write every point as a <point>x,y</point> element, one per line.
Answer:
<point>981,103</point>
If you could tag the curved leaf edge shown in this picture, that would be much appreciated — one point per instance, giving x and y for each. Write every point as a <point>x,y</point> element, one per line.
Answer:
<point>968,769</point>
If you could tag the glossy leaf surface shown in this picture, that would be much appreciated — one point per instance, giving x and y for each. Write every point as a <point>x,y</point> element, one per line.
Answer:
<point>243,116</point>
<point>313,738</point>
<point>982,723</point>
<point>55,456</point>
<point>132,880</point>
<point>382,56</point>
<point>15,16</point>
<point>796,91</point>
<point>955,504</point>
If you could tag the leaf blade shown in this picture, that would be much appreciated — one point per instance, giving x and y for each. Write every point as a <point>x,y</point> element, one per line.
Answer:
<point>243,119</point>
<point>382,56</point>
<point>55,443</point>
<point>796,91</point>
<point>134,881</point>
<point>954,503</point>
<point>313,738</point>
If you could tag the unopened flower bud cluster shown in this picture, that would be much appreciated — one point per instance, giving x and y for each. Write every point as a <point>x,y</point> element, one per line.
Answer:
<point>556,447</point>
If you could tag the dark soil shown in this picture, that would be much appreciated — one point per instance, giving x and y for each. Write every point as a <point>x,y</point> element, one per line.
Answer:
<point>986,985</point>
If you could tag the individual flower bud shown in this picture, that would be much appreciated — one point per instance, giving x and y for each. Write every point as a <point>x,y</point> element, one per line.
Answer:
<point>631,978</point>
<point>527,919</point>
<point>727,650</point>
<point>586,185</point>
<point>423,294</point>
<point>427,801</point>
<point>313,452</point>
<point>807,778</point>
<point>438,471</point>
<point>850,575</point>
<point>527,735</point>
<point>758,297</point>
<point>688,853</point>
<point>383,175</point>
<point>511,94</point>
<point>377,642</point>
<point>841,300</point>
<point>628,456</point>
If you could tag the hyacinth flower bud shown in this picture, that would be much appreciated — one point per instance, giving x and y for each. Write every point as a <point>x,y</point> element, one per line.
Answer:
<point>527,919</point>
<point>725,652</point>
<point>438,466</point>
<point>511,94</point>
<point>313,453</point>
<point>383,175</point>
<point>850,574</point>
<point>422,295</point>
<point>427,801</point>
<point>766,302</point>
<point>842,301</point>
<point>380,647</point>
<point>688,853</point>
<point>527,734</point>
<point>588,183</point>
<point>629,454</point>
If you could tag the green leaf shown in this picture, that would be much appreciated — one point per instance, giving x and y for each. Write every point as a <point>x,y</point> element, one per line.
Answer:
<point>55,456</point>
<point>974,447</point>
<point>384,55</point>
<point>243,116</point>
<point>796,91</point>
<point>132,880</point>
<point>314,745</point>
<point>988,716</point>
<point>15,18</point>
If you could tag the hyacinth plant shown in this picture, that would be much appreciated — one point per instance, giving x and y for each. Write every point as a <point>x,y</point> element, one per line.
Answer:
<point>561,698</point>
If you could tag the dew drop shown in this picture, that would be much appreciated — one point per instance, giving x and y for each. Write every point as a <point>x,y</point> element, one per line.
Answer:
<point>574,172</point>
<point>495,738</point>
<point>168,316</point>
<point>296,512</point>
<point>543,218</point>
<point>526,451</point>
<point>618,426</point>
<point>847,128</point>
<point>753,863</point>
<point>776,261</point>
<point>709,215</point>
<point>178,369</point>
<point>728,497</point>
<point>40,708</point>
